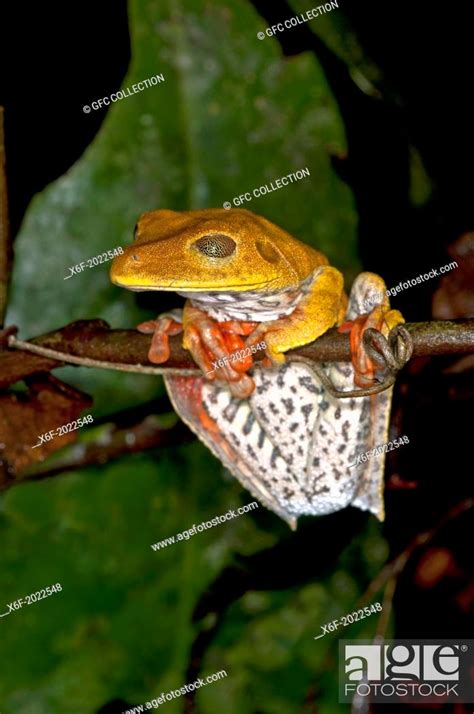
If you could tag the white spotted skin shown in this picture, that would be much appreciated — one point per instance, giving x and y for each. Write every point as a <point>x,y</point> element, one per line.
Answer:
<point>291,444</point>
<point>251,306</point>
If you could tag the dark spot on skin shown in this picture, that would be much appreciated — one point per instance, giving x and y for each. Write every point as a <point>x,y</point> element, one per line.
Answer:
<point>268,303</point>
<point>273,408</point>
<point>293,389</point>
<point>261,438</point>
<point>293,426</point>
<point>307,382</point>
<point>323,489</point>
<point>230,411</point>
<point>307,409</point>
<point>324,406</point>
<point>316,461</point>
<point>289,405</point>
<point>337,474</point>
<point>341,448</point>
<point>337,413</point>
<point>300,451</point>
<point>322,430</point>
<point>345,429</point>
<point>249,422</point>
<point>274,456</point>
<point>251,452</point>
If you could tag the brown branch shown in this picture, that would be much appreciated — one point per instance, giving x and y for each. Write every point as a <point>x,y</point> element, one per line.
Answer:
<point>5,241</point>
<point>93,344</point>
<point>115,442</point>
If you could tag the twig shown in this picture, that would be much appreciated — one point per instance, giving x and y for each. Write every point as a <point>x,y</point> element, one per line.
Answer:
<point>101,364</point>
<point>5,244</point>
<point>93,344</point>
<point>112,444</point>
<point>387,606</point>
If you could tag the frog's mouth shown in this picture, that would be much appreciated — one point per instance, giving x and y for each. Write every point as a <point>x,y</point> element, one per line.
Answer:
<point>175,286</point>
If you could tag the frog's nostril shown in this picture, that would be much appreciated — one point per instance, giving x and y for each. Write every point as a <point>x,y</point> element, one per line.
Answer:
<point>216,245</point>
<point>135,257</point>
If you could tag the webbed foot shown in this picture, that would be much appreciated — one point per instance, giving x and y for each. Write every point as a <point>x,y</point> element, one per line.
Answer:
<point>169,323</point>
<point>371,322</point>
<point>214,345</point>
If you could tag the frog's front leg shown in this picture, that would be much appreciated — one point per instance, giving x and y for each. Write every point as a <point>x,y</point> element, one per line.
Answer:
<point>355,426</point>
<point>321,308</point>
<point>165,325</point>
<point>324,307</point>
<point>212,344</point>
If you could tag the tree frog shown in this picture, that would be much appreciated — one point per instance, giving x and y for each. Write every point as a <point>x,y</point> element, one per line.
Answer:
<point>275,426</point>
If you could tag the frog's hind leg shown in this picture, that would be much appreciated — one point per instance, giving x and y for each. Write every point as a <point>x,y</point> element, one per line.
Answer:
<point>226,425</point>
<point>368,295</point>
<point>371,474</point>
<point>368,307</point>
<point>344,429</point>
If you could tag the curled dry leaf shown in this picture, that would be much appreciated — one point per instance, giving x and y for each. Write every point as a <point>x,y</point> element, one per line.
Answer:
<point>454,297</point>
<point>47,404</point>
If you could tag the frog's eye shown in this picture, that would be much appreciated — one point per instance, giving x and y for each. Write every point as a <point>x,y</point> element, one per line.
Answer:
<point>216,245</point>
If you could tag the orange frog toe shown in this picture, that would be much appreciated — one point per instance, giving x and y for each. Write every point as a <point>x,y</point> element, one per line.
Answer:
<point>160,328</point>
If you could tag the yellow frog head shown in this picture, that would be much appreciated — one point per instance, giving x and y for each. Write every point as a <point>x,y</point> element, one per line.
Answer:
<point>212,250</point>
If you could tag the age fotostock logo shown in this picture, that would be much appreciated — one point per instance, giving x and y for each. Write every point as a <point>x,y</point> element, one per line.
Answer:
<point>398,671</point>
